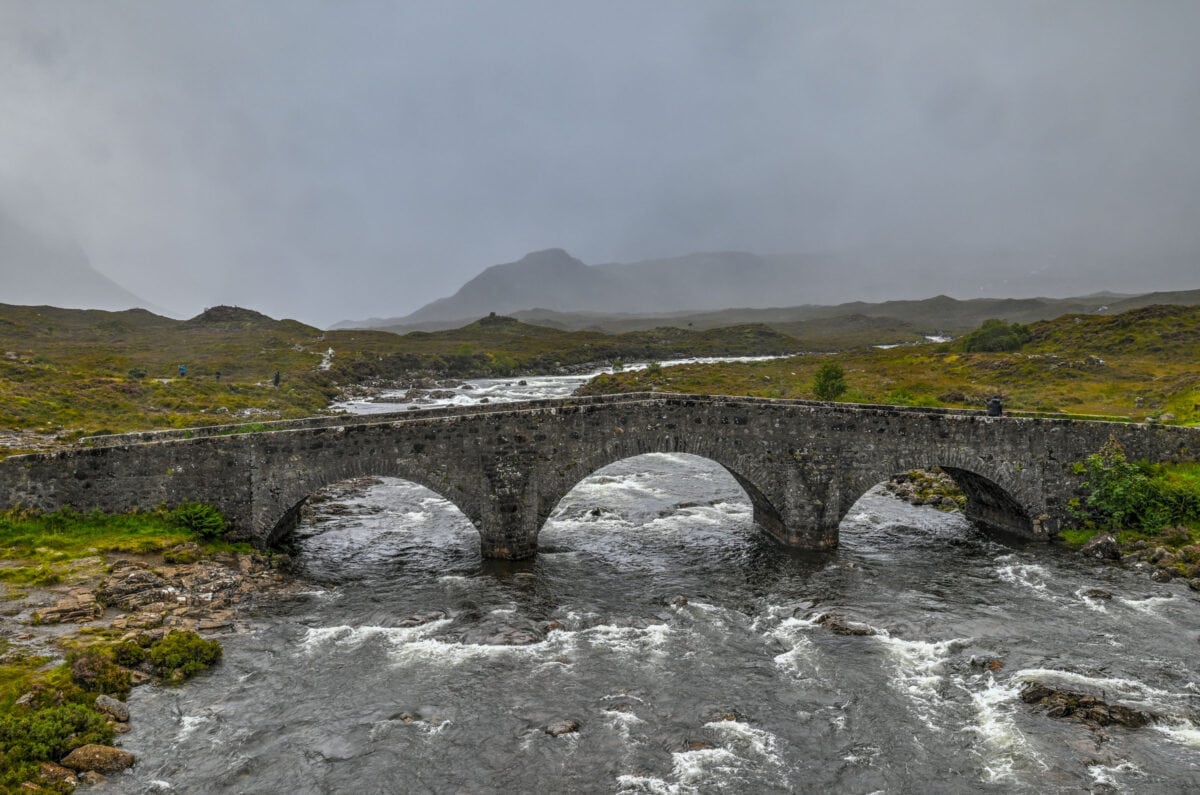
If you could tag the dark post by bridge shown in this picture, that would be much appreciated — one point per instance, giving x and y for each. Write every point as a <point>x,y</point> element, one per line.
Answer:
<point>506,467</point>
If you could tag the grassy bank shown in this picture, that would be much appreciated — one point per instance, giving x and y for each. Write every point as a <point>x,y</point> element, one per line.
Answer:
<point>49,708</point>
<point>1139,365</point>
<point>66,373</point>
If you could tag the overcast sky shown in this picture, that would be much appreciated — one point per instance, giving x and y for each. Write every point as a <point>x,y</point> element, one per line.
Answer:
<point>327,160</point>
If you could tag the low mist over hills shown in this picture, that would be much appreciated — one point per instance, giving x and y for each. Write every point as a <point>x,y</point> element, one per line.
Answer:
<point>714,290</point>
<point>722,288</point>
<point>35,270</point>
<point>553,279</point>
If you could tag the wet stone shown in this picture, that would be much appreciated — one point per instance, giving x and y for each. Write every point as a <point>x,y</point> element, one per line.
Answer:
<point>559,728</point>
<point>840,625</point>
<point>419,619</point>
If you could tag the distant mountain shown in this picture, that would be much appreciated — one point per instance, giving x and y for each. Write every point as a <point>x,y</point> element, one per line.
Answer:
<point>709,290</point>
<point>557,281</point>
<point>36,270</point>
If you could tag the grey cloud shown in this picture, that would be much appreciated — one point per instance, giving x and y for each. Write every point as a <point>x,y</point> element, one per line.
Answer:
<point>344,160</point>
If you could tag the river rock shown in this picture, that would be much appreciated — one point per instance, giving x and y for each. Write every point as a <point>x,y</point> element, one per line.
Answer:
<point>111,706</point>
<point>1103,547</point>
<point>559,728</point>
<point>514,636</point>
<point>74,608</point>
<point>1097,593</point>
<point>100,758</point>
<point>418,619</point>
<point>1063,703</point>
<point>840,625</point>
<point>48,771</point>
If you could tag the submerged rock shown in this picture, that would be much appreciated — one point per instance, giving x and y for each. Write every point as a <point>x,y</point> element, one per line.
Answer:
<point>559,728</point>
<point>840,625</point>
<point>419,619</point>
<point>1063,703</point>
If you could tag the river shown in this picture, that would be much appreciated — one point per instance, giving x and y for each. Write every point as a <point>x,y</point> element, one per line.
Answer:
<point>684,643</point>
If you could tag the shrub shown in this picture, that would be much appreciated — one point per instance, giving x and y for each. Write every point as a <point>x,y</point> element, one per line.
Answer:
<point>1132,495</point>
<point>46,735</point>
<point>199,519</point>
<point>181,655</point>
<point>830,381</point>
<point>128,653</point>
<point>996,335</point>
<point>94,669</point>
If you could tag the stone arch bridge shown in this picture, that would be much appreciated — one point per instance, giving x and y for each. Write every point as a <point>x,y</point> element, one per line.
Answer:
<point>506,466</point>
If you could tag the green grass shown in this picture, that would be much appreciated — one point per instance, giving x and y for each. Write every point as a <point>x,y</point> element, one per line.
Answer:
<point>72,373</point>
<point>49,538</point>
<point>1136,366</point>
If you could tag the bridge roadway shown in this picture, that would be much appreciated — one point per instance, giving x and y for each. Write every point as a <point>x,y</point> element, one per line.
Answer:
<point>506,466</point>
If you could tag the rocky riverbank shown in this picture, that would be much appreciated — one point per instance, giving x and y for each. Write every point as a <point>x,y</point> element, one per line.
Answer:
<point>927,487</point>
<point>1168,556</point>
<point>107,616</point>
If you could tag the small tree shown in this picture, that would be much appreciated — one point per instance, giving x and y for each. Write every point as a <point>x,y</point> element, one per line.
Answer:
<point>996,335</point>
<point>829,382</point>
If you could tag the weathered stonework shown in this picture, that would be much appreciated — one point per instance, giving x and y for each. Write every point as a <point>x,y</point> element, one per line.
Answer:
<point>803,464</point>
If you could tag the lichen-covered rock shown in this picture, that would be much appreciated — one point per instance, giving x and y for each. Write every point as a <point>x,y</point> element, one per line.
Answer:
<point>113,708</point>
<point>100,758</point>
<point>48,771</point>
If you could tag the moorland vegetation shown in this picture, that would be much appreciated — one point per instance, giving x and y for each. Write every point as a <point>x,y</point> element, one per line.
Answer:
<point>67,373</point>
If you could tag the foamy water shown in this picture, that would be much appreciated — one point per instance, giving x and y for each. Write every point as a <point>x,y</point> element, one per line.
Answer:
<point>684,644</point>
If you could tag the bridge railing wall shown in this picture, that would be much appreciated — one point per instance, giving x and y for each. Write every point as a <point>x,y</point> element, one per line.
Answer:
<point>334,420</point>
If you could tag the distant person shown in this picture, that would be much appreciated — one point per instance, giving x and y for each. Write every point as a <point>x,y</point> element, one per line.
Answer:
<point>183,371</point>
<point>994,407</point>
<point>218,375</point>
<point>275,380</point>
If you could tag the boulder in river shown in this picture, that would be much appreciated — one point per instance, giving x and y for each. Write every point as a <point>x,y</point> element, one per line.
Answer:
<point>1063,703</point>
<point>561,727</point>
<point>840,625</point>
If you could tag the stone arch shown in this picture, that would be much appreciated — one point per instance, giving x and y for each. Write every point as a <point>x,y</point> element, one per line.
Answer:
<point>995,501</point>
<point>280,516</point>
<point>745,473</point>
<point>991,505</point>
